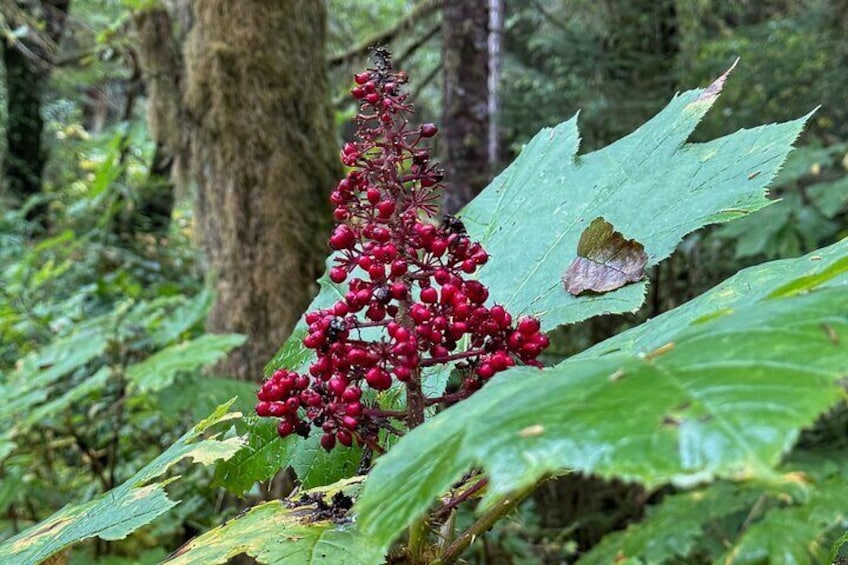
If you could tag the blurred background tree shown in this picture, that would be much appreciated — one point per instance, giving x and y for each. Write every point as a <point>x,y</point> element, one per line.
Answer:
<point>153,148</point>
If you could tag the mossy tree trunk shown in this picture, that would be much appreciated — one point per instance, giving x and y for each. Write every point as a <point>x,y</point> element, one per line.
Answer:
<point>256,106</point>
<point>465,115</point>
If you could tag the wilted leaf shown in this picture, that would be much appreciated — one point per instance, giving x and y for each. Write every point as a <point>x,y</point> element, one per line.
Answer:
<point>605,261</point>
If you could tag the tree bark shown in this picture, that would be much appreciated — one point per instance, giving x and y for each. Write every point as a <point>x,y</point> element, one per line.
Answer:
<point>465,116</point>
<point>263,158</point>
<point>28,63</point>
<point>160,59</point>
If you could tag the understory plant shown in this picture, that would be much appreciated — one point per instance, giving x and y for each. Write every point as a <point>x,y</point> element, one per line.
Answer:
<point>416,407</point>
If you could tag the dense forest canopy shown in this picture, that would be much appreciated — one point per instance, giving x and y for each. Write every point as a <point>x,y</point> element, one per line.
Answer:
<point>422,281</point>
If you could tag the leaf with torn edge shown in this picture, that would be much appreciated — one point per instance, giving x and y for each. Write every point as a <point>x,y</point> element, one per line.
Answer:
<point>605,261</point>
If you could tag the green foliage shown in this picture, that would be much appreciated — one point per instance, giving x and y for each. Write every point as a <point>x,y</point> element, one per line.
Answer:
<point>787,522</point>
<point>160,369</point>
<point>265,451</point>
<point>813,191</point>
<point>712,178</point>
<point>311,536</point>
<point>726,398</point>
<point>117,513</point>
<point>650,185</point>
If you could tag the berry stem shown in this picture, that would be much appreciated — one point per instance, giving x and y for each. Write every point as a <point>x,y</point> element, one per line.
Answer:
<point>451,398</point>
<point>448,358</point>
<point>416,402</point>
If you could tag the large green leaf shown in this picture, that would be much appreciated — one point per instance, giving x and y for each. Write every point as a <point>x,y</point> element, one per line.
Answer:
<point>726,399</point>
<point>159,370</point>
<point>651,185</point>
<point>280,533</point>
<point>117,513</point>
<point>531,217</point>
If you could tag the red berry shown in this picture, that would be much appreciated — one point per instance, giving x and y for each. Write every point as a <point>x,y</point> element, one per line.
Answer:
<point>362,78</point>
<point>402,373</point>
<point>328,441</point>
<point>373,195</point>
<point>385,209</point>
<point>285,428</point>
<point>485,371</point>
<point>338,275</point>
<point>354,408</point>
<point>528,326</point>
<point>398,291</point>
<point>375,313</point>
<point>378,379</point>
<point>344,438</point>
<point>429,295</point>
<point>429,130</point>
<point>438,247</point>
<point>352,394</point>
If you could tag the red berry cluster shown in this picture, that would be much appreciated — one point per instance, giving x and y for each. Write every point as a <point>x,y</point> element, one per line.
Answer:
<point>405,276</point>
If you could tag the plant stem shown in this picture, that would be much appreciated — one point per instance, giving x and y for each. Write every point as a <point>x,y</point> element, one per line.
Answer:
<point>418,540</point>
<point>483,524</point>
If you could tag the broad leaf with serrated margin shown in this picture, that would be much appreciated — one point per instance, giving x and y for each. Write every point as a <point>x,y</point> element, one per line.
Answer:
<point>726,399</point>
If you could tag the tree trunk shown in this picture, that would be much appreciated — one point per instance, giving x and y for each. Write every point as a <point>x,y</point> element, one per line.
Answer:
<point>160,59</point>
<point>264,160</point>
<point>25,156</point>
<point>28,64</point>
<point>465,116</point>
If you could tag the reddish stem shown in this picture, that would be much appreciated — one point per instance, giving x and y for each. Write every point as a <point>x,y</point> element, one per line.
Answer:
<point>459,499</point>
<point>448,358</point>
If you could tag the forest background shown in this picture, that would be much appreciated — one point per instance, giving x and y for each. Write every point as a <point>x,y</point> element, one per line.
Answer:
<point>166,168</point>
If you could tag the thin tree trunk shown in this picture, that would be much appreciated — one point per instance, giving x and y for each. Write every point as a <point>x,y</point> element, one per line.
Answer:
<point>28,63</point>
<point>25,156</point>
<point>465,117</point>
<point>160,58</point>
<point>263,159</point>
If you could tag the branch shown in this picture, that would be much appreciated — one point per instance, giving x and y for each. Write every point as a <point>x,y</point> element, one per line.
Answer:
<point>422,10</point>
<point>427,80</point>
<point>484,524</point>
<point>417,44</point>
